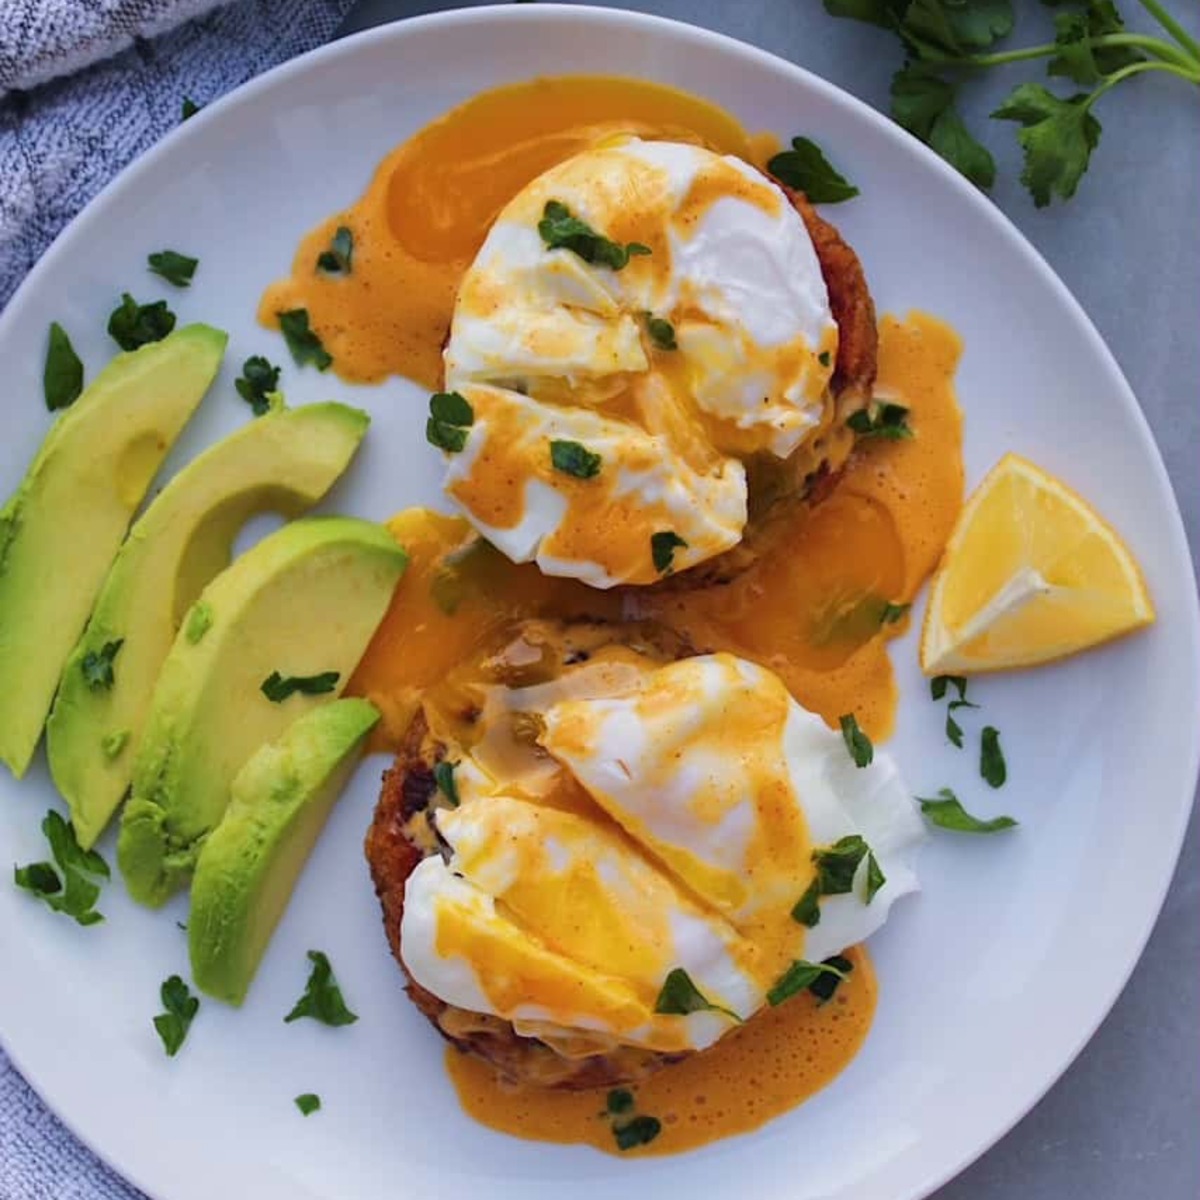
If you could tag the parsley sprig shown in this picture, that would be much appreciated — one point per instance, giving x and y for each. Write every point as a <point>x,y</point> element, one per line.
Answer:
<point>179,1009</point>
<point>948,42</point>
<point>560,229</point>
<point>679,996</point>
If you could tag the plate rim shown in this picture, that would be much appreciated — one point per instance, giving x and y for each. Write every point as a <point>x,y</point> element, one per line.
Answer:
<point>549,13</point>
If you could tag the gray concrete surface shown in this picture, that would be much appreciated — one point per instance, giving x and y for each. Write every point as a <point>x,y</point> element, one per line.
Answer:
<point>1125,1119</point>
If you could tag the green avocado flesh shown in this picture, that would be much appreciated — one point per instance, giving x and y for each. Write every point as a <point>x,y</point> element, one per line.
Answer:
<point>285,462</point>
<point>303,602</point>
<point>250,863</point>
<point>61,529</point>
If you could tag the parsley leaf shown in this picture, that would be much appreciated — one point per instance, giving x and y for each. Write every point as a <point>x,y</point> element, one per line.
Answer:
<point>826,984</point>
<point>277,688</point>
<point>322,999</point>
<point>443,776</point>
<point>807,910</point>
<point>953,728</point>
<point>639,1131</point>
<point>561,230</point>
<point>800,975</point>
<point>1057,135</point>
<point>662,550</point>
<point>189,108</point>
<point>258,384</point>
<point>939,683</point>
<point>62,376</point>
<point>305,345</point>
<point>97,666</point>
<point>175,268</point>
<point>71,890</point>
<point>180,1008</point>
<point>662,332</point>
<point>1077,57</point>
<point>571,458</point>
<point>837,864</point>
<point>875,876</point>
<point>886,421</point>
<point>336,260</point>
<point>450,416</point>
<point>131,324</point>
<point>308,1102</point>
<point>991,758</point>
<point>946,812</point>
<point>806,169</point>
<point>856,741</point>
<point>619,1100</point>
<point>680,996</point>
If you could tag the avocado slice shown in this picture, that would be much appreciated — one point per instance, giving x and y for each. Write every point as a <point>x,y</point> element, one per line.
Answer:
<point>302,603</point>
<point>62,527</point>
<point>284,461</point>
<point>251,861</point>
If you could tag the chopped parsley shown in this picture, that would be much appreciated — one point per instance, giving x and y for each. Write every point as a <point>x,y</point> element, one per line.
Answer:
<point>336,260</point>
<point>450,416</point>
<point>71,889</point>
<point>131,324</point>
<point>443,776</point>
<point>189,108</point>
<point>97,666</point>
<point>561,230</point>
<point>807,910</point>
<point>953,728</point>
<point>805,168</point>
<point>824,358</point>
<point>571,458</point>
<point>62,376</point>
<point>939,683</point>
<point>893,613</point>
<point>277,688</point>
<point>638,1131</point>
<point>177,269</point>
<point>199,621</point>
<point>662,550</point>
<point>619,1101</point>
<point>991,758</point>
<point>111,744</point>
<point>800,975</point>
<point>680,996</point>
<point>258,384</point>
<point>180,1007</point>
<point>825,984</point>
<point>322,999</point>
<point>886,421</point>
<point>837,865</point>
<point>856,741</point>
<point>662,332</point>
<point>308,1103</point>
<point>947,812</point>
<point>302,341</point>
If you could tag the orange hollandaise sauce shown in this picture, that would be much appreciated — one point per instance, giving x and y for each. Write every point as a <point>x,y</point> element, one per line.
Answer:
<point>812,612</point>
<point>432,200</point>
<point>775,1061</point>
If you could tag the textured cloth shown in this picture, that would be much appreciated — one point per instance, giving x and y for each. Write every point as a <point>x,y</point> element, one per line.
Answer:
<point>62,140</point>
<point>62,137</point>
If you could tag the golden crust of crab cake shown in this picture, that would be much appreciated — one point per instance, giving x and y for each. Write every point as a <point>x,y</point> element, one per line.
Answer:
<point>401,835</point>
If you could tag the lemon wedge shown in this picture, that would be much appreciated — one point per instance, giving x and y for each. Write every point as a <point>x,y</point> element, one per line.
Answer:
<point>1031,573</point>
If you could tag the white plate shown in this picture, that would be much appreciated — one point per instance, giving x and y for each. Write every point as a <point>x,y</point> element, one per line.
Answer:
<point>992,979</point>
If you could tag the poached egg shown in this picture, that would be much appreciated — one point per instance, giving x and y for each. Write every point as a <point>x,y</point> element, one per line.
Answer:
<point>712,343</point>
<point>667,818</point>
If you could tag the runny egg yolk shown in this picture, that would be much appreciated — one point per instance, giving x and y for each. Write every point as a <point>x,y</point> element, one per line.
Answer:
<point>706,790</point>
<point>706,338</point>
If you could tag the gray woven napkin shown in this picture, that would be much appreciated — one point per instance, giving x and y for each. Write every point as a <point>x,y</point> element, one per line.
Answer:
<point>85,87</point>
<point>88,85</point>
